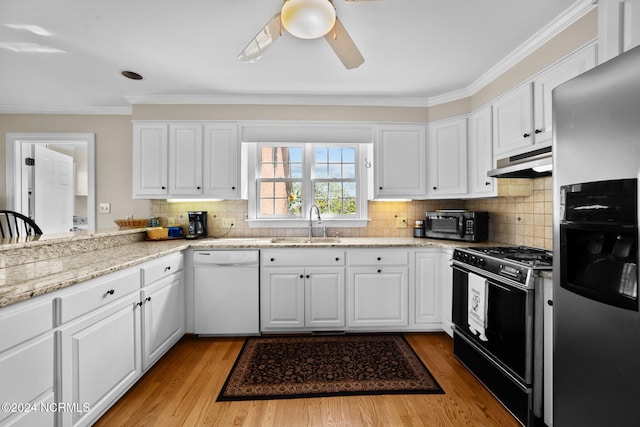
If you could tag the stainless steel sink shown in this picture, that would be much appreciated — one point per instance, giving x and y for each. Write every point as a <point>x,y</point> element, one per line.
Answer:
<point>305,240</point>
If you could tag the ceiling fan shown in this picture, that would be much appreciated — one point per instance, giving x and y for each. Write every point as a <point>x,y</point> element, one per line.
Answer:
<point>306,19</point>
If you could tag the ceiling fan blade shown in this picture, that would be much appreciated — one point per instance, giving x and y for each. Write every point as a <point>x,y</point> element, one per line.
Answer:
<point>261,42</point>
<point>344,47</point>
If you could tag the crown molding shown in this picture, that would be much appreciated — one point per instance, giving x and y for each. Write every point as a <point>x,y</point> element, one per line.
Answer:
<point>312,100</point>
<point>559,24</point>
<point>579,9</point>
<point>76,110</point>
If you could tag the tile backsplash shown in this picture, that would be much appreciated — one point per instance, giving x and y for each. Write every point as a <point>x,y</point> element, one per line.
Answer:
<point>521,220</point>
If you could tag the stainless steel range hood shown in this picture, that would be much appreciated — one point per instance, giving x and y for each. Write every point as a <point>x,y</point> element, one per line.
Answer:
<point>532,164</point>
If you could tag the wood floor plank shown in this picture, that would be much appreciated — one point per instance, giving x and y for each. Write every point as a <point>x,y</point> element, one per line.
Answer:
<point>181,390</point>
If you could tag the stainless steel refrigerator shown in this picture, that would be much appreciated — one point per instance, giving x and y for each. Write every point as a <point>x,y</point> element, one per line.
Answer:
<point>596,149</point>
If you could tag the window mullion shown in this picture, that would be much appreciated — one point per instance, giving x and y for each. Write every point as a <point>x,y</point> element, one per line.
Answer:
<point>308,174</point>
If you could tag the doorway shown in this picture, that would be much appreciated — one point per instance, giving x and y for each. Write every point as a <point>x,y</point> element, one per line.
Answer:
<point>75,211</point>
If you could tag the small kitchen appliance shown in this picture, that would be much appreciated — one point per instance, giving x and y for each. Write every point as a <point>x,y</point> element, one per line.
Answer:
<point>457,224</point>
<point>418,228</point>
<point>197,225</point>
<point>498,322</point>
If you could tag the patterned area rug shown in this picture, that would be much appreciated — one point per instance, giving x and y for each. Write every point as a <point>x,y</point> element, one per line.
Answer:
<point>316,366</point>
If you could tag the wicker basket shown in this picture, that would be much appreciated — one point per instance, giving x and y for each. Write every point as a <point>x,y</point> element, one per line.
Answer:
<point>159,233</point>
<point>132,223</point>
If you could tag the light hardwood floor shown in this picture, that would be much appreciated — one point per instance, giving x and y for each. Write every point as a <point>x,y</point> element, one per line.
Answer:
<point>181,390</point>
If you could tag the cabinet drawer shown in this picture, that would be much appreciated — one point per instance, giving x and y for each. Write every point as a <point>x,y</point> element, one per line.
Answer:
<point>303,258</point>
<point>23,321</point>
<point>378,257</point>
<point>156,270</point>
<point>96,293</point>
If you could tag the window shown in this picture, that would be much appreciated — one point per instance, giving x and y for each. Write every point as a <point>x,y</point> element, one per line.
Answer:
<point>334,180</point>
<point>290,178</point>
<point>280,181</point>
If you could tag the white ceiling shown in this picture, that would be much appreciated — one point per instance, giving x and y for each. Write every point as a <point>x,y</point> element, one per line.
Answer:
<point>415,51</point>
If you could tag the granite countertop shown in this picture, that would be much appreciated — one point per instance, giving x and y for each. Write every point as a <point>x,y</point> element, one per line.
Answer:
<point>31,279</point>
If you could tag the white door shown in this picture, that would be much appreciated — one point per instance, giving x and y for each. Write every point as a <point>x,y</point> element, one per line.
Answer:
<point>54,192</point>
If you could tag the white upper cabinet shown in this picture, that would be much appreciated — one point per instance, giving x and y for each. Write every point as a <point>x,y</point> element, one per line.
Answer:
<point>150,149</point>
<point>631,31</point>
<point>481,154</point>
<point>400,162</point>
<point>523,117</point>
<point>221,161</point>
<point>618,27</point>
<point>447,159</point>
<point>512,121</point>
<point>544,84</point>
<point>185,159</point>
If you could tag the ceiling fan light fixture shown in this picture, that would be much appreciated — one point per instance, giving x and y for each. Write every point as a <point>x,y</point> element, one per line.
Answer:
<point>308,19</point>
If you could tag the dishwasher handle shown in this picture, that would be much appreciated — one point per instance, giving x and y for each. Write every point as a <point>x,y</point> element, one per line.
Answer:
<point>225,258</point>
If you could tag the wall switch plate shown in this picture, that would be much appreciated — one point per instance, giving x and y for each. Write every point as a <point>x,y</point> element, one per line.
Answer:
<point>401,222</point>
<point>105,208</point>
<point>228,222</point>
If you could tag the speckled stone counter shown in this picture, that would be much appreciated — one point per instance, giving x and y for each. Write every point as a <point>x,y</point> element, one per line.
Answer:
<point>30,269</point>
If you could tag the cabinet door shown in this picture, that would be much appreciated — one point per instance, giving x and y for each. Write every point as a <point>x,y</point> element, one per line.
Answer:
<point>571,67</point>
<point>185,160</point>
<point>27,373</point>
<point>448,158</point>
<point>512,121</point>
<point>618,27</point>
<point>400,162</point>
<point>324,297</point>
<point>445,283</point>
<point>163,318</point>
<point>377,296</point>
<point>481,154</point>
<point>427,300</point>
<point>99,359</point>
<point>282,298</point>
<point>221,161</point>
<point>631,32</point>
<point>150,145</point>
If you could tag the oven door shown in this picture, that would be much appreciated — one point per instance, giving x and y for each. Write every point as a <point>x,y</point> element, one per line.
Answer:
<point>446,225</point>
<point>508,321</point>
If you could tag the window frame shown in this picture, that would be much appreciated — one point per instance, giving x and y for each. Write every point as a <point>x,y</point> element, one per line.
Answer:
<point>362,180</point>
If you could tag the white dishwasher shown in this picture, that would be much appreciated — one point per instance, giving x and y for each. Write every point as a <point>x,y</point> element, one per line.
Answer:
<point>226,292</point>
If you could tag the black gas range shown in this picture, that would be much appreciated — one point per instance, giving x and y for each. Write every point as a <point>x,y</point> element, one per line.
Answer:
<point>517,265</point>
<point>498,322</point>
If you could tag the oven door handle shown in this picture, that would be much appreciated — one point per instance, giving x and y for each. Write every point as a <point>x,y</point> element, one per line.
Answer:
<point>491,282</point>
<point>461,226</point>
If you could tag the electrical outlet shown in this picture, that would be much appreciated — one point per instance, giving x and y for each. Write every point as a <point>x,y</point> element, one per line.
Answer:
<point>105,208</point>
<point>228,222</point>
<point>401,222</point>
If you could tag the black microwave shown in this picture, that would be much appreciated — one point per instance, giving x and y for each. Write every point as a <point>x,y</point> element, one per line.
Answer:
<point>455,224</point>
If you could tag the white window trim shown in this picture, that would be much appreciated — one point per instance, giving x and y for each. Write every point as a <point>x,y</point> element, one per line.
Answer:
<point>362,173</point>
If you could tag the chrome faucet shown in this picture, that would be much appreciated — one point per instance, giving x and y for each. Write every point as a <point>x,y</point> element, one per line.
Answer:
<point>311,218</point>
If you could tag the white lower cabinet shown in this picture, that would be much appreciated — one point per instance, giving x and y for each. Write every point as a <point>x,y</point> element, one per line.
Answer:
<point>300,296</point>
<point>162,300</point>
<point>27,363</point>
<point>427,291</point>
<point>163,318</point>
<point>377,296</point>
<point>111,330</point>
<point>99,359</point>
<point>377,288</point>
